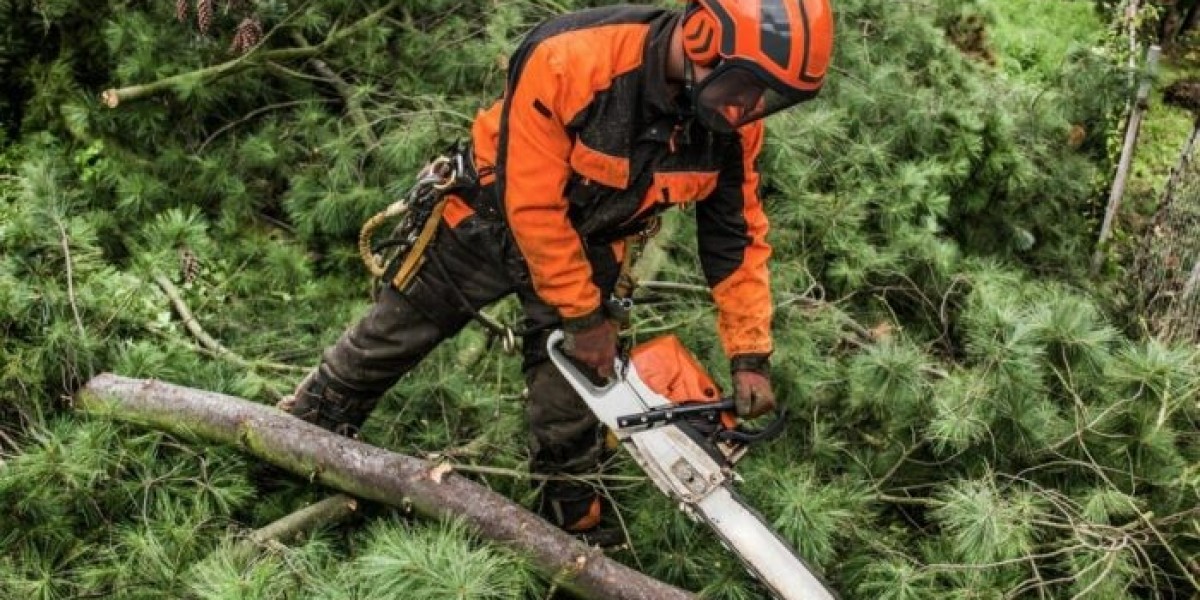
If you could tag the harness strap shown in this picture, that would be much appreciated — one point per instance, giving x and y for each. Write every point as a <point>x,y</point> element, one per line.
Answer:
<point>404,270</point>
<point>635,244</point>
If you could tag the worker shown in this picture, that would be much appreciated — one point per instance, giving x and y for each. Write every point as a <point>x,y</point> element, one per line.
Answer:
<point>609,116</point>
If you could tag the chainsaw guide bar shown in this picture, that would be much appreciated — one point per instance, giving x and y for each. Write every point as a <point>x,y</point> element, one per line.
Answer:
<point>664,410</point>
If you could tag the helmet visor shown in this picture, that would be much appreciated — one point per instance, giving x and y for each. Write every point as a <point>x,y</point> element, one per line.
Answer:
<point>732,96</point>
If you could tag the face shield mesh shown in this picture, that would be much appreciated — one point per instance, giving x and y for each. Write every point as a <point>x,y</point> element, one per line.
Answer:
<point>732,96</point>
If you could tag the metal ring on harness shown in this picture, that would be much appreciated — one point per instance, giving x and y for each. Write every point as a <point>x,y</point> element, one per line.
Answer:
<point>508,341</point>
<point>446,171</point>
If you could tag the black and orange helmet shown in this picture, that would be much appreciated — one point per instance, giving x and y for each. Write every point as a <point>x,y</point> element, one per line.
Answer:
<point>766,55</point>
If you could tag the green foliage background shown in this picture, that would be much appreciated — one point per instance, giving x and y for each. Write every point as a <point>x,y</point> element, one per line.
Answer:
<point>966,420</point>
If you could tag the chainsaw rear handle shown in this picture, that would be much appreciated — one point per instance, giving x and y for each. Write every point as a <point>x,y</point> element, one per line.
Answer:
<point>746,435</point>
<point>581,372</point>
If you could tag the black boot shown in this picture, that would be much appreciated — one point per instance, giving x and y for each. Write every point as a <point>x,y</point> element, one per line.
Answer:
<point>580,511</point>
<point>319,401</point>
<point>573,507</point>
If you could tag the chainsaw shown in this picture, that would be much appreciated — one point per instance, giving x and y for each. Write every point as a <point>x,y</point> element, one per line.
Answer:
<point>665,410</point>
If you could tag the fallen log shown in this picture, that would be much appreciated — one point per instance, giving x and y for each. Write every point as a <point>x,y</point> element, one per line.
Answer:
<point>368,472</point>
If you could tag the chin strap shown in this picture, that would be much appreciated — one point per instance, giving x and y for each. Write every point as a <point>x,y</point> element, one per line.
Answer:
<point>687,100</point>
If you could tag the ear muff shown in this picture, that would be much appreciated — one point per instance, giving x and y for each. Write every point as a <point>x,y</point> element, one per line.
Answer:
<point>701,36</point>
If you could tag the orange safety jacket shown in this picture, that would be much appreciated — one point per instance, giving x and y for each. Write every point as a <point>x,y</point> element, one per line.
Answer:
<point>587,144</point>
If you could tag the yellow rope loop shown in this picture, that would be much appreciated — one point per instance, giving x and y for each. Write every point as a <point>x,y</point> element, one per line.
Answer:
<point>364,243</point>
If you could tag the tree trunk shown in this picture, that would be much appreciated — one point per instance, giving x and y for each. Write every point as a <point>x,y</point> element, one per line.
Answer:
<point>1131,135</point>
<point>1167,23</point>
<point>369,472</point>
<point>1189,21</point>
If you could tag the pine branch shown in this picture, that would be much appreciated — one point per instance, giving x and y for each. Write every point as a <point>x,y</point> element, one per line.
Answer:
<point>1003,563</point>
<point>250,115</point>
<point>6,439</point>
<point>907,454</point>
<point>1110,559</point>
<point>691,288</point>
<point>672,286</point>
<point>371,473</point>
<point>353,102</point>
<point>113,97</point>
<point>207,341</point>
<point>863,334</point>
<point>909,501</point>
<point>1144,517</point>
<point>66,247</point>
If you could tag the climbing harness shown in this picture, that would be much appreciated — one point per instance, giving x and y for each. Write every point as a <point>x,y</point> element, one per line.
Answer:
<point>396,259</point>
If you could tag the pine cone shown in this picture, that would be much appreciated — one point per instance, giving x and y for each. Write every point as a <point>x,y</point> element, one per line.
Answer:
<point>181,10</point>
<point>204,14</point>
<point>238,45</point>
<point>189,265</point>
<point>249,34</point>
<point>1076,136</point>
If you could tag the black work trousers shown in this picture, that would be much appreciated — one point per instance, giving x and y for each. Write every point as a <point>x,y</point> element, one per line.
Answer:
<point>475,263</point>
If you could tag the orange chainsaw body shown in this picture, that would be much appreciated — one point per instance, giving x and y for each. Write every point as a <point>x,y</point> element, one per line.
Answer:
<point>670,369</point>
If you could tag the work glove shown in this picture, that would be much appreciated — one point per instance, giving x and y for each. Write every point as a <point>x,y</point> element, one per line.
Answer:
<point>752,393</point>
<point>595,346</point>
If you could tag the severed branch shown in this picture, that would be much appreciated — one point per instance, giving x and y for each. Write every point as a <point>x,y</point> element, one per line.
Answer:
<point>292,526</point>
<point>113,97</point>
<point>371,473</point>
<point>330,510</point>
<point>207,341</point>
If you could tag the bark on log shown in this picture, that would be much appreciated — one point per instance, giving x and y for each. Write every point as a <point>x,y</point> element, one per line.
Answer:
<point>372,473</point>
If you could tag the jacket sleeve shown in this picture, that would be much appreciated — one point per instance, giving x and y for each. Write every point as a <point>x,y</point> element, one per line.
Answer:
<point>732,230</point>
<point>533,170</point>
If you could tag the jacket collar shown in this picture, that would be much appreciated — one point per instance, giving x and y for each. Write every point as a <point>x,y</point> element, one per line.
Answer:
<point>656,97</point>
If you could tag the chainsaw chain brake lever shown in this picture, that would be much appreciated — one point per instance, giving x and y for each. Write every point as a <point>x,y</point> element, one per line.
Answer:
<point>709,412</point>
